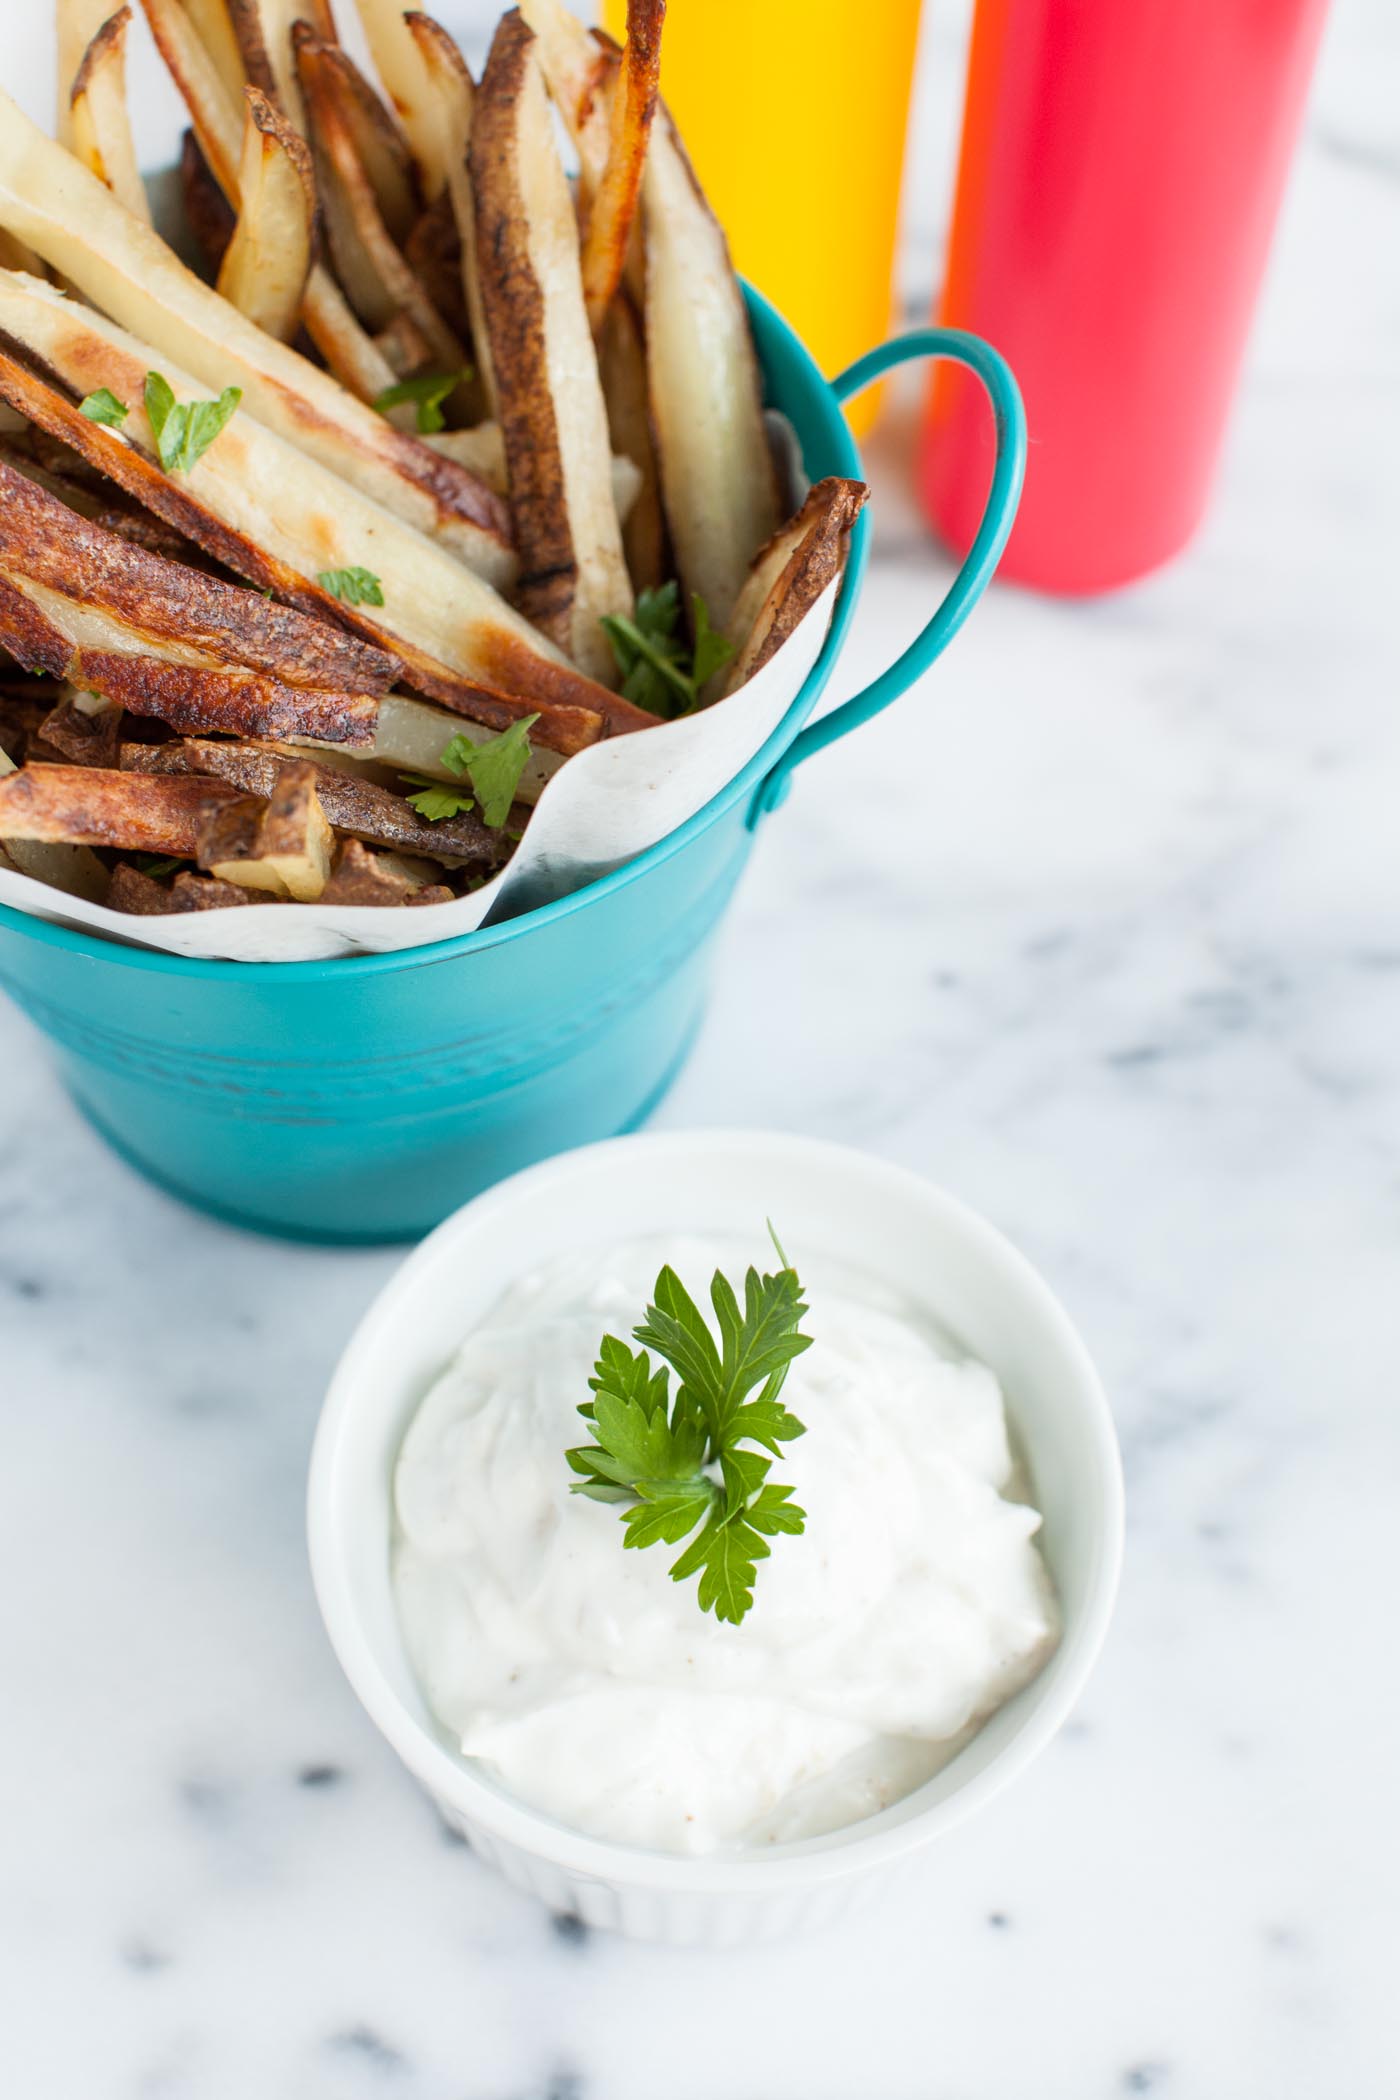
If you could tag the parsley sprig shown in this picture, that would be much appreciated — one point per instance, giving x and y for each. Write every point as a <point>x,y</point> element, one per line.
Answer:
<point>352,586</point>
<point>427,392</point>
<point>660,670</point>
<point>184,430</point>
<point>659,1455</point>
<point>104,407</point>
<point>492,768</point>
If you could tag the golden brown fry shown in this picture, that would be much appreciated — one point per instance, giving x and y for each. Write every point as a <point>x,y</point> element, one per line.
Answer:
<point>83,727</point>
<point>352,804</point>
<point>577,68</point>
<point>371,267</point>
<point>43,540</point>
<point>400,66</point>
<point>212,25</point>
<point>99,121</point>
<point>380,144</point>
<point>132,891</point>
<point>445,74</point>
<point>613,205</point>
<point>214,112</point>
<point>76,23</point>
<point>268,260</point>
<point>263,29</point>
<point>787,578</point>
<point>64,867</point>
<point>360,877</point>
<point>273,517</point>
<point>717,476</point>
<point>50,200</point>
<point>283,845</point>
<point>552,414</point>
<point>622,365</point>
<point>86,806</point>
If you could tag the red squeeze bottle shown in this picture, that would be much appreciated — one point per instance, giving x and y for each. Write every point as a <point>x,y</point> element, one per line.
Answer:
<point>1121,170</point>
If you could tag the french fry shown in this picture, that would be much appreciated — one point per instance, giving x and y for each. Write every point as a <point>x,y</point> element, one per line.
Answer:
<point>433,251</point>
<point>73,869</point>
<point>76,23</point>
<point>283,844</point>
<point>445,75</point>
<point>208,214</point>
<point>361,877</point>
<point>613,205</point>
<point>356,806</point>
<point>212,24</point>
<point>263,30</point>
<point>622,366</point>
<point>399,63</point>
<point>132,891</point>
<point>371,267</point>
<point>212,104</point>
<point>550,398</point>
<point>49,200</point>
<point>410,737</point>
<point>86,806</point>
<point>379,143</point>
<point>99,122</point>
<point>577,68</point>
<point>268,260</point>
<point>563,727</point>
<point>156,598</point>
<point>787,578</point>
<point>717,477</point>
<point>83,727</point>
<point>282,521</point>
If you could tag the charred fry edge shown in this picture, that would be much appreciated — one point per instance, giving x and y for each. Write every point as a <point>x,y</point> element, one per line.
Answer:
<point>613,207</point>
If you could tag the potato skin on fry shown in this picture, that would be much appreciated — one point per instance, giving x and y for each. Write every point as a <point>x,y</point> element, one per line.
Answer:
<point>266,264</point>
<point>132,891</point>
<point>84,806</point>
<point>787,578</point>
<point>549,396</point>
<point>364,878</point>
<point>283,844</point>
<point>100,124</point>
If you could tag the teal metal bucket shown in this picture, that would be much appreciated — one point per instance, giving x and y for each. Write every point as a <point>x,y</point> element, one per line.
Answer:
<point>362,1099</point>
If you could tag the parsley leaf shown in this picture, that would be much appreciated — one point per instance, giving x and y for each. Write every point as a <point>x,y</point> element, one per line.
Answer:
<point>104,407</point>
<point>657,1456</point>
<point>184,430</point>
<point>428,391</point>
<point>354,586</point>
<point>493,768</point>
<point>153,864</point>
<point>660,671</point>
<point>434,801</point>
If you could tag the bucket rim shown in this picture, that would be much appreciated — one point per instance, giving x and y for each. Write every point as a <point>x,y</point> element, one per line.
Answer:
<point>795,386</point>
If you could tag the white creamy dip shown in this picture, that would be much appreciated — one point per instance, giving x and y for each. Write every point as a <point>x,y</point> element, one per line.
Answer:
<point>591,1685</point>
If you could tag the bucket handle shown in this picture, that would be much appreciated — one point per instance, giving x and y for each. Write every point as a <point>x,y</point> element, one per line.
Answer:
<point>982,557</point>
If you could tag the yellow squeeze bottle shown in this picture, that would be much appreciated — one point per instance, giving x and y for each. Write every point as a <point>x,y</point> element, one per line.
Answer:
<point>794,114</point>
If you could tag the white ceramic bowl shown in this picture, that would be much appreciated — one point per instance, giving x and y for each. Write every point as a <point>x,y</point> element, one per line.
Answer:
<point>830,1199</point>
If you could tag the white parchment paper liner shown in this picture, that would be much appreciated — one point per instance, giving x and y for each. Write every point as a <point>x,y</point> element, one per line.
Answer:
<point>605,806</point>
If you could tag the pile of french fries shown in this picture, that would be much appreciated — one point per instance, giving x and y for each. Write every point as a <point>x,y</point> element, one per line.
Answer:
<point>314,557</point>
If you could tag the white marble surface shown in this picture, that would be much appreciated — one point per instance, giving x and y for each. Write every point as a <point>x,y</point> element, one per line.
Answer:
<point>1103,933</point>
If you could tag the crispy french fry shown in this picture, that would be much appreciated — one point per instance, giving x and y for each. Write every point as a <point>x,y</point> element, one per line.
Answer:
<point>482,448</point>
<point>263,29</point>
<point>380,144</point>
<point>153,598</point>
<point>132,891</point>
<point>83,727</point>
<point>717,476</point>
<point>212,24</point>
<point>446,76</point>
<point>213,106</point>
<point>613,205</point>
<point>266,264</point>
<point>283,844</point>
<point>348,349</point>
<point>99,122</point>
<point>577,68</point>
<point>76,23</point>
<point>361,877</point>
<point>49,200</point>
<point>292,522</point>
<point>208,214</point>
<point>87,806</point>
<point>433,251</point>
<point>787,578</point>
<point>372,268</point>
<point>401,68</point>
<point>356,806</point>
<point>215,514</point>
<point>75,869</point>
<point>622,366</point>
<point>552,415</point>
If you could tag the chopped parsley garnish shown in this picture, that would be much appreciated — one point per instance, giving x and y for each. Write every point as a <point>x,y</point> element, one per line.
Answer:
<point>660,670</point>
<point>493,770</point>
<point>657,1454</point>
<point>354,586</point>
<point>427,392</point>
<point>184,430</point>
<point>104,407</point>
